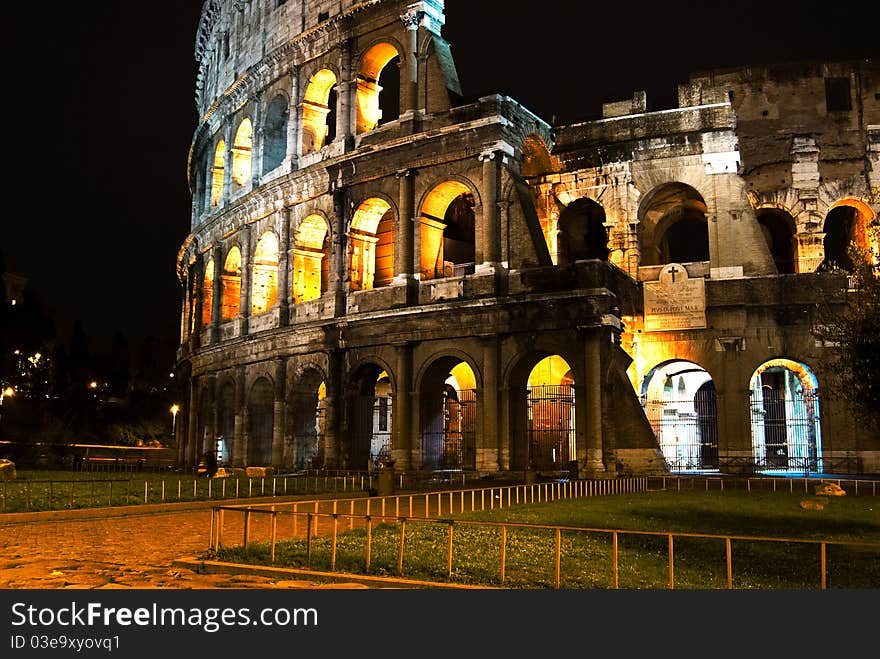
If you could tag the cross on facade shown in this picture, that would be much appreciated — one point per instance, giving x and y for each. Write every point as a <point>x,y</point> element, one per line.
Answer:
<point>673,271</point>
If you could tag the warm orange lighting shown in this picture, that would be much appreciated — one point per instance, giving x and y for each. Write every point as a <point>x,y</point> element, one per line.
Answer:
<point>242,149</point>
<point>310,259</point>
<point>231,284</point>
<point>208,293</point>
<point>93,385</point>
<point>175,409</point>
<point>217,173</point>
<point>371,255</point>
<point>368,89</point>
<point>9,391</point>
<point>264,293</point>
<point>315,108</point>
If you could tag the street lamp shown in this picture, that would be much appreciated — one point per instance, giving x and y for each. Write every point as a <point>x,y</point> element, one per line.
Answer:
<point>174,410</point>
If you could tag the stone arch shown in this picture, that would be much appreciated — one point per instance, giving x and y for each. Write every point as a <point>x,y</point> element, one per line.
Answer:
<point>679,399</point>
<point>275,133</point>
<point>785,420</point>
<point>319,111</point>
<point>204,430</point>
<point>226,413</point>
<point>261,418</point>
<point>448,408</point>
<point>373,108</point>
<point>536,158</point>
<point>447,229</point>
<point>230,280</point>
<point>673,225</point>
<point>311,258</point>
<point>849,222</point>
<point>371,245</point>
<point>307,404</point>
<point>242,155</point>
<point>582,233</point>
<point>780,233</point>
<point>208,293</point>
<point>218,170</point>
<point>369,394</point>
<point>264,289</point>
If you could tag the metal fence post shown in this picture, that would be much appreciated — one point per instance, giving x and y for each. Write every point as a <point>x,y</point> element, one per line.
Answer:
<point>503,552</point>
<point>368,544</point>
<point>614,560</point>
<point>729,564</point>
<point>400,549</point>
<point>671,565</point>
<point>449,551</point>
<point>558,558</point>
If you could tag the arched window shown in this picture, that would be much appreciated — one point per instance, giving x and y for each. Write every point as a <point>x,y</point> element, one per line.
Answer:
<point>231,280</point>
<point>371,245</point>
<point>673,226</point>
<point>319,104</point>
<point>217,173</point>
<point>242,154</point>
<point>778,228</point>
<point>208,293</point>
<point>311,255</point>
<point>264,292</point>
<point>260,423</point>
<point>448,231</point>
<point>448,416</point>
<point>550,413</point>
<point>374,107</point>
<point>582,233</point>
<point>275,134</point>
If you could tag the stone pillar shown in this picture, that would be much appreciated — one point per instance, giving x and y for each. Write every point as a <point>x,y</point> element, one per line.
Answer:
<point>404,254</point>
<point>217,297</point>
<point>194,430</point>
<point>346,103</point>
<point>278,416</point>
<point>491,219</point>
<point>184,308</point>
<point>294,121</point>
<point>197,291</point>
<point>338,251</point>
<point>593,463</point>
<point>402,445</point>
<point>284,263</point>
<point>239,454</point>
<point>257,145</point>
<point>334,404</point>
<point>410,85</point>
<point>227,165</point>
<point>490,449</point>
<point>247,267</point>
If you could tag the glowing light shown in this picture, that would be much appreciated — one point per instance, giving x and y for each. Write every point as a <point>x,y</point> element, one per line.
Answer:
<point>93,385</point>
<point>242,149</point>
<point>9,391</point>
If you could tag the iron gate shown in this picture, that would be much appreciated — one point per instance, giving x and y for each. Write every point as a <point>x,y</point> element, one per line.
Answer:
<point>785,431</point>
<point>551,434</point>
<point>687,430</point>
<point>451,443</point>
<point>370,431</point>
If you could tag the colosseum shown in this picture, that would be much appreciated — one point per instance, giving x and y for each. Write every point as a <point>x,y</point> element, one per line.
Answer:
<point>381,272</point>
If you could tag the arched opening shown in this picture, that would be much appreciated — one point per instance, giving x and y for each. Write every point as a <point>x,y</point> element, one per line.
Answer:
<point>535,156</point>
<point>680,403</point>
<point>582,232</point>
<point>207,293</point>
<point>218,170</point>
<point>308,407</point>
<point>447,225</point>
<point>231,281</point>
<point>204,427</point>
<point>373,106</point>
<point>848,224</point>
<point>275,134</point>
<point>673,226</point>
<point>786,435</point>
<point>371,245</point>
<point>226,418</point>
<point>549,412</point>
<point>242,155</point>
<point>778,228</point>
<point>264,292</point>
<point>448,399</point>
<point>319,111</point>
<point>370,418</point>
<point>261,409</point>
<point>311,257</point>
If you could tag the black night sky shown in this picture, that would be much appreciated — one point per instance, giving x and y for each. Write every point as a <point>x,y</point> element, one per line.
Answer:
<point>100,113</point>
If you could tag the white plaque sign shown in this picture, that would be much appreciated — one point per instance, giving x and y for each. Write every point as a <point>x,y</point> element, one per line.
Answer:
<point>675,302</point>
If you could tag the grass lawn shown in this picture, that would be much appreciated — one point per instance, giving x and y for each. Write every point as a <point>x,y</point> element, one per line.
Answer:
<point>586,558</point>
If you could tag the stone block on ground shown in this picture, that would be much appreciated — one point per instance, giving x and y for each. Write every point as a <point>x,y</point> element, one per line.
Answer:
<point>814,503</point>
<point>830,490</point>
<point>7,470</point>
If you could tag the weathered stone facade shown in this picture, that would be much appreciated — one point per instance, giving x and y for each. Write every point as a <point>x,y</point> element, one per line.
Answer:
<point>463,286</point>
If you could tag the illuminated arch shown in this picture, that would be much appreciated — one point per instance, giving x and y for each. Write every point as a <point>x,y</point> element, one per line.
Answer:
<point>582,233</point>
<point>786,430</point>
<point>374,62</point>
<point>550,414</point>
<point>264,291</point>
<point>318,111</point>
<point>849,222</point>
<point>261,416</point>
<point>308,406</point>
<point>673,225</point>
<point>447,231</point>
<point>536,159</point>
<point>680,402</point>
<point>369,398</point>
<point>448,415</point>
<point>311,256</point>
<point>242,154</point>
<point>779,229</point>
<point>207,293</point>
<point>275,134</point>
<point>230,280</point>
<point>217,173</point>
<point>371,245</point>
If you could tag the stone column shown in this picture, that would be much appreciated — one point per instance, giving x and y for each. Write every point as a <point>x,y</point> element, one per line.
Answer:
<point>239,454</point>
<point>294,121</point>
<point>491,219</point>
<point>284,262</point>
<point>338,265</point>
<point>217,298</point>
<point>257,142</point>
<point>198,292</point>
<point>194,430</point>
<point>410,85</point>
<point>402,445</point>
<point>227,165</point>
<point>404,254</point>
<point>247,266</point>
<point>593,399</point>
<point>278,416</point>
<point>184,308</point>
<point>346,103</point>
<point>489,450</point>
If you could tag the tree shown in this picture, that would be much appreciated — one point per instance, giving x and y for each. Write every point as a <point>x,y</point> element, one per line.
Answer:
<point>849,324</point>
